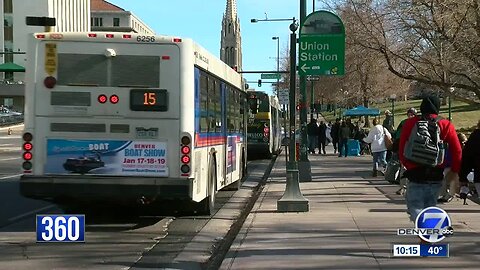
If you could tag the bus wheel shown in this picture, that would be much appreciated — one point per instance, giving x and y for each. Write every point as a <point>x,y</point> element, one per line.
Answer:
<point>207,205</point>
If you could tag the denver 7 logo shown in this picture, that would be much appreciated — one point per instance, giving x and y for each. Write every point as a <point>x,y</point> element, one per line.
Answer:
<point>437,221</point>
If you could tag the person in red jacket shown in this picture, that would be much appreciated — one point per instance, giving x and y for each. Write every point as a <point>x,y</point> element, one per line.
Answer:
<point>425,182</point>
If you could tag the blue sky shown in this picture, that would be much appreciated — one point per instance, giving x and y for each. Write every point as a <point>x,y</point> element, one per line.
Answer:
<point>201,21</point>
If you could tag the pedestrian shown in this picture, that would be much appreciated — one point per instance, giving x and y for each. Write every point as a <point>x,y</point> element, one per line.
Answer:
<point>449,189</point>
<point>328,132</point>
<point>412,112</point>
<point>388,121</point>
<point>425,173</point>
<point>322,138</point>
<point>376,138</point>
<point>312,135</point>
<point>343,136</point>
<point>471,159</point>
<point>334,134</point>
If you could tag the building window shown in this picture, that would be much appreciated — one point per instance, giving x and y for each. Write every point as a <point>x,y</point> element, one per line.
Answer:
<point>116,21</point>
<point>97,22</point>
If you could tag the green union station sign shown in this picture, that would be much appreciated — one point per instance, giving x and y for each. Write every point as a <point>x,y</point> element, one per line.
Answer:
<point>322,45</point>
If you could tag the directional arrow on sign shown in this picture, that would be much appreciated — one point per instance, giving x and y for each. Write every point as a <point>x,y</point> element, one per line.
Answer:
<point>304,68</point>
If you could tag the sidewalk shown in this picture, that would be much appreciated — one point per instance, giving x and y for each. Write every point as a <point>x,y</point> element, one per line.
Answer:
<point>352,224</point>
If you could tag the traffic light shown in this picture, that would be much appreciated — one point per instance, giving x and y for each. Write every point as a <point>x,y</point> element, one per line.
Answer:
<point>259,83</point>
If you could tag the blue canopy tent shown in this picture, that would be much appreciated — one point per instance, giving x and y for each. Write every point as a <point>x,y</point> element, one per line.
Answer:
<point>361,110</point>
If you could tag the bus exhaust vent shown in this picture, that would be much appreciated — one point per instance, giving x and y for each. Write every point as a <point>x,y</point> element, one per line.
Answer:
<point>118,128</point>
<point>77,127</point>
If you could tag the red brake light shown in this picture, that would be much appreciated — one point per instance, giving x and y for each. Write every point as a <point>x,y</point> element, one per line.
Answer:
<point>185,150</point>
<point>109,36</point>
<point>27,146</point>
<point>177,40</point>
<point>50,82</point>
<point>266,129</point>
<point>92,35</point>
<point>185,159</point>
<point>165,57</point>
<point>114,99</point>
<point>27,156</point>
<point>102,98</point>
<point>127,36</point>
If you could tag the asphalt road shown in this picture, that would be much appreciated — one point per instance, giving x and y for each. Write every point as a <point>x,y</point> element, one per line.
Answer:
<point>115,238</point>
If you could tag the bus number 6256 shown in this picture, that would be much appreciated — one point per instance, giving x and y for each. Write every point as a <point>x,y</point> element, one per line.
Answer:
<point>146,38</point>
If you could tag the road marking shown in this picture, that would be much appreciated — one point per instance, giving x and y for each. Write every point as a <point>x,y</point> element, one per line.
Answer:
<point>13,158</point>
<point>10,176</point>
<point>13,219</point>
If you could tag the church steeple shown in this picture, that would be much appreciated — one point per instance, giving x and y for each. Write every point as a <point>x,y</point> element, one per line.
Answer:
<point>231,41</point>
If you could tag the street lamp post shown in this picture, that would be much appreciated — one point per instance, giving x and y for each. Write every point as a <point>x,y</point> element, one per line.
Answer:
<point>392,98</point>
<point>284,106</point>
<point>292,200</point>
<point>451,90</point>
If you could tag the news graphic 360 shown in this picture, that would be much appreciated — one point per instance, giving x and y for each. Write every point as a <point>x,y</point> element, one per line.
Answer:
<point>60,228</point>
<point>432,226</point>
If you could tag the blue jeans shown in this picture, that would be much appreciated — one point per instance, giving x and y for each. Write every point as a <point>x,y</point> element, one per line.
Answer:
<point>379,158</point>
<point>420,196</point>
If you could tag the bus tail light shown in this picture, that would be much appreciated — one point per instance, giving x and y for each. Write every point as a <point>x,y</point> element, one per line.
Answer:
<point>114,99</point>
<point>102,98</point>
<point>27,146</point>
<point>50,82</point>
<point>177,40</point>
<point>126,36</point>
<point>185,150</point>
<point>27,154</point>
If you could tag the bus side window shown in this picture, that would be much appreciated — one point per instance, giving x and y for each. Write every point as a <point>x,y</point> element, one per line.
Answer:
<point>203,103</point>
<point>218,107</point>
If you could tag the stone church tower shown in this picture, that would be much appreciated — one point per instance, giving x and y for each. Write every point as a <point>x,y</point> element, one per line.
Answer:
<point>231,41</point>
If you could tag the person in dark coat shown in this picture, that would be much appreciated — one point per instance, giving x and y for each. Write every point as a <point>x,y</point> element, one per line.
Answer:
<point>322,138</point>
<point>334,134</point>
<point>343,136</point>
<point>471,159</point>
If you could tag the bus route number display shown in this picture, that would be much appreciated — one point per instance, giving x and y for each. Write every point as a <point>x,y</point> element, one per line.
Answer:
<point>149,100</point>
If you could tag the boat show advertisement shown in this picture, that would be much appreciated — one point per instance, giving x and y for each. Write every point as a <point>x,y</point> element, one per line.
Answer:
<point>106,157</point>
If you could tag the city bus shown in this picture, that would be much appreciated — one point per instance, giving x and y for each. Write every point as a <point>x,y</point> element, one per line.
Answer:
<point>264,125</point>
<point>126,118</point>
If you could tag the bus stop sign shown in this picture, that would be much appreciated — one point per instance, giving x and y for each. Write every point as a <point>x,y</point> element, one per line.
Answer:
<point>322,45</point>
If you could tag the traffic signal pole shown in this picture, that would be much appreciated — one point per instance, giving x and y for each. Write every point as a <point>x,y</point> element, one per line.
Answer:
<point>304,167</point>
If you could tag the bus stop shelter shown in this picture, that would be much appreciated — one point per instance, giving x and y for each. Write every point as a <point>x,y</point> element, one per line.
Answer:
<point>362,111</point>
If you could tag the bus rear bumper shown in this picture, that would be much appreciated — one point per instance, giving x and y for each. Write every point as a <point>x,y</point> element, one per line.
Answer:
<point>111,189</point>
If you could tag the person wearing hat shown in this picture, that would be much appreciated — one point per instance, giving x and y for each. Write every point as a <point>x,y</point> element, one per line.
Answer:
<point>424,182</point>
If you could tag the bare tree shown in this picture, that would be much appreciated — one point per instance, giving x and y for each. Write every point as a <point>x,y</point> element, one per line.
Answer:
<point>434,42</point>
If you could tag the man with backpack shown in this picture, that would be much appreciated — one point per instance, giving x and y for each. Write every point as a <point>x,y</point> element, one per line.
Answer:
<point>422,150</point>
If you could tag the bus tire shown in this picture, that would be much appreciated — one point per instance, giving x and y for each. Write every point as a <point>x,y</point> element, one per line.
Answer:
<point>207,205</point>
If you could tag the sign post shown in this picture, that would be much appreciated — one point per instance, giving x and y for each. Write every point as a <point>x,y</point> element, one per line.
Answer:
<point>321,53</point>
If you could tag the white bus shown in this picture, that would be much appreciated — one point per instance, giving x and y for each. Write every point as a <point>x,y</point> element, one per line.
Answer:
<point>125,118</point>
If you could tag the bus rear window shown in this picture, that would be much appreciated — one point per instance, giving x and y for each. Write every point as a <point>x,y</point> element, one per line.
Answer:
<point>118,71</point>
